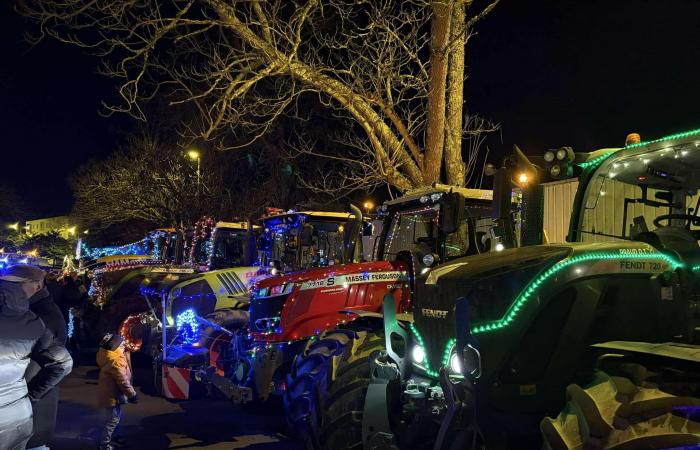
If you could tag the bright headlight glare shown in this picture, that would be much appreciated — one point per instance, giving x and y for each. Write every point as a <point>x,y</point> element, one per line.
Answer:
<point>455,364</point>
<point>429,259</point>
<point>418,354</point>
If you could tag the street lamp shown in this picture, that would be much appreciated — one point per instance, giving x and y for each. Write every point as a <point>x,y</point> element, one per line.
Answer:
<point>195,156</point>
<point>368,206</point>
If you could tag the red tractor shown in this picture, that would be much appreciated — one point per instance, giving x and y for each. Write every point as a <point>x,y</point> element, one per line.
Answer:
<point>288,313</point>
<point>289,241</point>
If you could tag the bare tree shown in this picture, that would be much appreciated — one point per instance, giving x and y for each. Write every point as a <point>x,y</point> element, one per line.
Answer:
<point>394,68</point>
<point>151,179</point>
<point>145,180</point>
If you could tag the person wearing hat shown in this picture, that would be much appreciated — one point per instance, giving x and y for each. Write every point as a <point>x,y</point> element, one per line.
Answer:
<point>24,338</point>
<point>113,386</point>
<point>42,304</point>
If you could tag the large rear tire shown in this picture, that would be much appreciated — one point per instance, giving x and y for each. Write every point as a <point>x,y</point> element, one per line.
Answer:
<point>616,413</point>
<point>326,389</point>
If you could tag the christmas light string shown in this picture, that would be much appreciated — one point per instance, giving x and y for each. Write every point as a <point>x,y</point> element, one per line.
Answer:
<point>139,248</point>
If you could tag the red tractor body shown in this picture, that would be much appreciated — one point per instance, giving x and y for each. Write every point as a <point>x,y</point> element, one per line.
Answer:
<point>303,304</point>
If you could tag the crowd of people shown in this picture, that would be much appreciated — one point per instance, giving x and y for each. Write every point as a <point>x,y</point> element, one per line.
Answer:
<point>37,310</point>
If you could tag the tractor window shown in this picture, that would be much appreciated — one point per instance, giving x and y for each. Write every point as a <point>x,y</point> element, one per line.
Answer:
<point>419,227</point>
<point>457,243</point>
<point>284,243</point>
<point>410,228</point>
<point>611,208</point>
<point>228,248</point>
<point>327,246</point>
<point>630,191</point>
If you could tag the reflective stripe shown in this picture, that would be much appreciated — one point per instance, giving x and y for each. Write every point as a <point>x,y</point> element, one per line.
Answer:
<point>176,383</point>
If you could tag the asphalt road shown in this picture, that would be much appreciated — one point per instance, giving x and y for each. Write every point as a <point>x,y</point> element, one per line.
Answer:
<point>155,423</point>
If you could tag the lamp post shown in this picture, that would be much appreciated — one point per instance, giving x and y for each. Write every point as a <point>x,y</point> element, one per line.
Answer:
<point>195,156</point>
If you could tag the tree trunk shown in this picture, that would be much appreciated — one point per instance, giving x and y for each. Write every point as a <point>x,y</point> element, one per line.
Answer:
<point>387,145</point>
<point>454,165</point>
<point>435,132</point>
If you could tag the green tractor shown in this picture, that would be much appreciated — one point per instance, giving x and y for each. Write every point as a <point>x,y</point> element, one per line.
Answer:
<point>597,332</point>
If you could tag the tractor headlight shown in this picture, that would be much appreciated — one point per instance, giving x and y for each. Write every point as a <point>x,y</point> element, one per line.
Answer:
<point>562,154</point>
<point>549,156</point>
<point>429,260</point>
<point>418,354</point>
<point>554,171</point>
<point>455,364</point>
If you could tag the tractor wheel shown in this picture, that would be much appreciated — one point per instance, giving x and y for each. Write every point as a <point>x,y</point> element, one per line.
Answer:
<point>616,413</point>
<point>326,389</point>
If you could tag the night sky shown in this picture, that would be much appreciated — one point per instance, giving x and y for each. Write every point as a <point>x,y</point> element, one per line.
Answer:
<point>551,72</point>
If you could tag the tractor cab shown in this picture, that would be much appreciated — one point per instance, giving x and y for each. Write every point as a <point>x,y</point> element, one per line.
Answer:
<point>227,244</point>
<point>646,193</point>
<point>296,241</point>
<point>436,225</point>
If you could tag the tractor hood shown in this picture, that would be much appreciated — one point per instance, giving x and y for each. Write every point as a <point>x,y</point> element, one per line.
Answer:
<point>210,291</point>
<point>505,289</point>
<point>299,305</point>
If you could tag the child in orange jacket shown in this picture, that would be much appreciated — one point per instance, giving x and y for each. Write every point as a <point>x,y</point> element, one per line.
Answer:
<point>114,385</point>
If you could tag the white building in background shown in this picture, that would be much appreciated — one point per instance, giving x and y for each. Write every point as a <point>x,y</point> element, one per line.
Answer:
<point>61,224</point>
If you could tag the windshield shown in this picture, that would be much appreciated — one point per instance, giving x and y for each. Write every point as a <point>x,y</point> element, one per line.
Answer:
<point>417,228</point>
<point>228,248</point>
<point>283,244</point>
<point>616,209</point>
<point>167,246</point>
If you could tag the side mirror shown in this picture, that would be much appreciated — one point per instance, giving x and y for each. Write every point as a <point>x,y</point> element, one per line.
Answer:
<point>472,361</point>
<point>306,235</point>
<point>451,213</point>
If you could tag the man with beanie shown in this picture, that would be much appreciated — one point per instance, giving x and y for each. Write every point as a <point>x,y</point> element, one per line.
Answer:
<point>23,337</point>
<point>113,385</point>
<point>42,304</point>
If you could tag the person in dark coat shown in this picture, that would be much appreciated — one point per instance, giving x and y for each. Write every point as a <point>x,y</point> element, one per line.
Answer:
<point>42,304</point>
<point>23,336</point>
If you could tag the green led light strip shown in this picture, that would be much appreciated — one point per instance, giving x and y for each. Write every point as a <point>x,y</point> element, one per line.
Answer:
<point>665,138</point>
<point>695,268</point>
<point>595,162</point>
<point>527,293</point>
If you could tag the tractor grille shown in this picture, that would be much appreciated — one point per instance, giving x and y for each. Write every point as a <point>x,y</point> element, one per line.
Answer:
<point>266,307</point>
<point>232,283</point>
<point>435,330</point>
